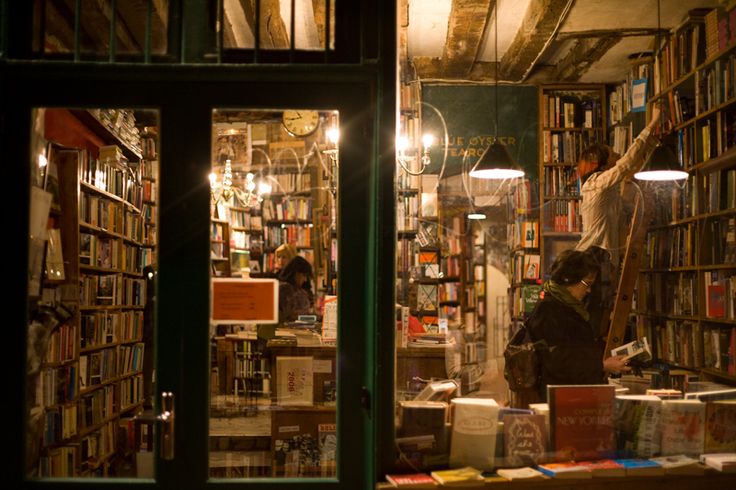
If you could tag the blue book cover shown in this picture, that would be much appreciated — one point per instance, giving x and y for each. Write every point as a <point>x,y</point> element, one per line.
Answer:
<point>639,95</point>
<point>635,466</point>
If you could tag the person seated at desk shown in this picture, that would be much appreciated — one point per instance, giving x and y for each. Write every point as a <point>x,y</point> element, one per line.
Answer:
<point>295,290</point>
<point>284,253</point>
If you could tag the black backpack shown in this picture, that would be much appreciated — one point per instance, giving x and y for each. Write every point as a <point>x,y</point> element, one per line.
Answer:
<point>523,361</point>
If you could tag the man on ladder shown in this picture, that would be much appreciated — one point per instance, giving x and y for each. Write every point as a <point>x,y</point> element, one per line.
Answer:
<point>603,173</point>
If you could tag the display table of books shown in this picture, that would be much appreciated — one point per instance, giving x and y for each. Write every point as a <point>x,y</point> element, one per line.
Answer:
<point>670,482</point>
<point>584,436</point>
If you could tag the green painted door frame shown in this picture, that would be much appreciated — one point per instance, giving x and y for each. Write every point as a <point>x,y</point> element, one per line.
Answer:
<point>185,95</point>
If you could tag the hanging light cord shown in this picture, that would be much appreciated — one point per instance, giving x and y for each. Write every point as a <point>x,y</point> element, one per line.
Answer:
<point>495,47</point>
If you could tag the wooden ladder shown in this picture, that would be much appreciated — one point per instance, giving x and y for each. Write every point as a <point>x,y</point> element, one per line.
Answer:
<point>630,269</point>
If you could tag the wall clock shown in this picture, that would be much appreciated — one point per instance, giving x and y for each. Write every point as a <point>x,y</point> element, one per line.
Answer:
<point>300,122</point>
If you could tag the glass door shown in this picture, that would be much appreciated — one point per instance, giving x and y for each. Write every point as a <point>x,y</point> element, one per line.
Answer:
<point>274,264</point>
<point>168,340</point>
<point>92,270</point>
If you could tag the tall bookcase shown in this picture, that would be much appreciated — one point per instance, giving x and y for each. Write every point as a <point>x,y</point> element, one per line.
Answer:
<point>687,280</point>
<point>220,247</point>
<point>92,374</point>
<point>524,258</point>
<point>572,117</point>
<point>287,215</point>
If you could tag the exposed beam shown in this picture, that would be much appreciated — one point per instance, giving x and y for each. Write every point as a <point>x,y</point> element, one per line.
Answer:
<point>538,26</point>
<point>59,29</point>
<point>403,55</point>
<point>133,13</point>
<point>468,19</point>
<point>321,19</point>
<point>274,32</point>
<point>631,32</point>
<point>427,67</point>
<point>96,16</point>
<point>582,55</point>
<point>238,24</point>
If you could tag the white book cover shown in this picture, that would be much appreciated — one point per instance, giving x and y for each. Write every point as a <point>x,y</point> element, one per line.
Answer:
<point>723,462</point>
<point>637,423</point>
<point>474,432</point>
<point>523,473</point>
<point>683,427</point>
<point>294,381</point>
<point>637,350</point>
<point>679,464</point>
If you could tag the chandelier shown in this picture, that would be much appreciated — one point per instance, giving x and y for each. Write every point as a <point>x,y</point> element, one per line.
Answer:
<point>225,191</point>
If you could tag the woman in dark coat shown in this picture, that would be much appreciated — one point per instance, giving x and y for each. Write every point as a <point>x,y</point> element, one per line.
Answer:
<point>295,290</point>
<point>575,356</point>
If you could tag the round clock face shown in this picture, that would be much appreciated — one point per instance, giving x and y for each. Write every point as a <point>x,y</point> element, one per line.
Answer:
<point>300,122</point>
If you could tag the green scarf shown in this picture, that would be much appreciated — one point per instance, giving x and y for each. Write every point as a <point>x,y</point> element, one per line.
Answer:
<point>563,296</point>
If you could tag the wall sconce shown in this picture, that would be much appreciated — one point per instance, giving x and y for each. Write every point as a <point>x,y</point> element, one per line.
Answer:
<point>405,156</point>
<point>225,191</point>
<point>333,138</point>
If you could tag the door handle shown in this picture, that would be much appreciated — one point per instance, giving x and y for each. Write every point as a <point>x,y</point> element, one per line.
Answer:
<point>166,421</point>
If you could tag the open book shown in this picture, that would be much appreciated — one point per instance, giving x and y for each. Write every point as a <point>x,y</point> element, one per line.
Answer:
<point>636,350</point>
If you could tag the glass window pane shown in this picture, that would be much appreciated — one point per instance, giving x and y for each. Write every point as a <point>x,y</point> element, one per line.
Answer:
<point>274,306</point>
<point>92,269</point>
<point>54,27</point>
<point>452,287</point>
<point>275,19</point>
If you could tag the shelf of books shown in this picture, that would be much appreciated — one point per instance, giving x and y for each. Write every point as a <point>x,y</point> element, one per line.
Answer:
<point>246,240</point>
<point>627,103</point>
<point>92,377</point>
<point>287,216</point>
<point>523,244</point>
<point>417,256</point>
<point>220,247</point>
<point>686,296</point>
<point>571,118</point>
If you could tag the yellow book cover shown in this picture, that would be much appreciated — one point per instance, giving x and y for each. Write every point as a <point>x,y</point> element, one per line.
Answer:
<point>465,476</point>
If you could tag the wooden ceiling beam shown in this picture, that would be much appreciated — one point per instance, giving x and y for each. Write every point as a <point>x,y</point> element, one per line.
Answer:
<point>538,26</point>
<point>96,17</point>
<point>274,31</point>
<point>468,20</point>
<point>321,19</point>
<point>133,14</point>
<point>631,32</point>
<point>582,55</point>
<point>427,67</point>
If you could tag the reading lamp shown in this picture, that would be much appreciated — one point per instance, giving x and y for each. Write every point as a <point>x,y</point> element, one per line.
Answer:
<point>662,164</point>
<point>495,162</point>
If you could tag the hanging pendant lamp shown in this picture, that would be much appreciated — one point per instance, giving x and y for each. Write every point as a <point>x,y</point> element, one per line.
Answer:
<point>663,163</point>
<point>495,162</point>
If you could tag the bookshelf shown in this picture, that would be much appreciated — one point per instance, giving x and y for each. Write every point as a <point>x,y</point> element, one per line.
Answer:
<point>523,241</point>
<point>452,257</point>
<point>149,174</point>
<point>572,117</point>
<point>92,374</point>
<point>287,216</point>
<point>246,239</point>
<point>220,247</point>
<point>627,103</point>
<point>685,298</point>
<point>424,284</point>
